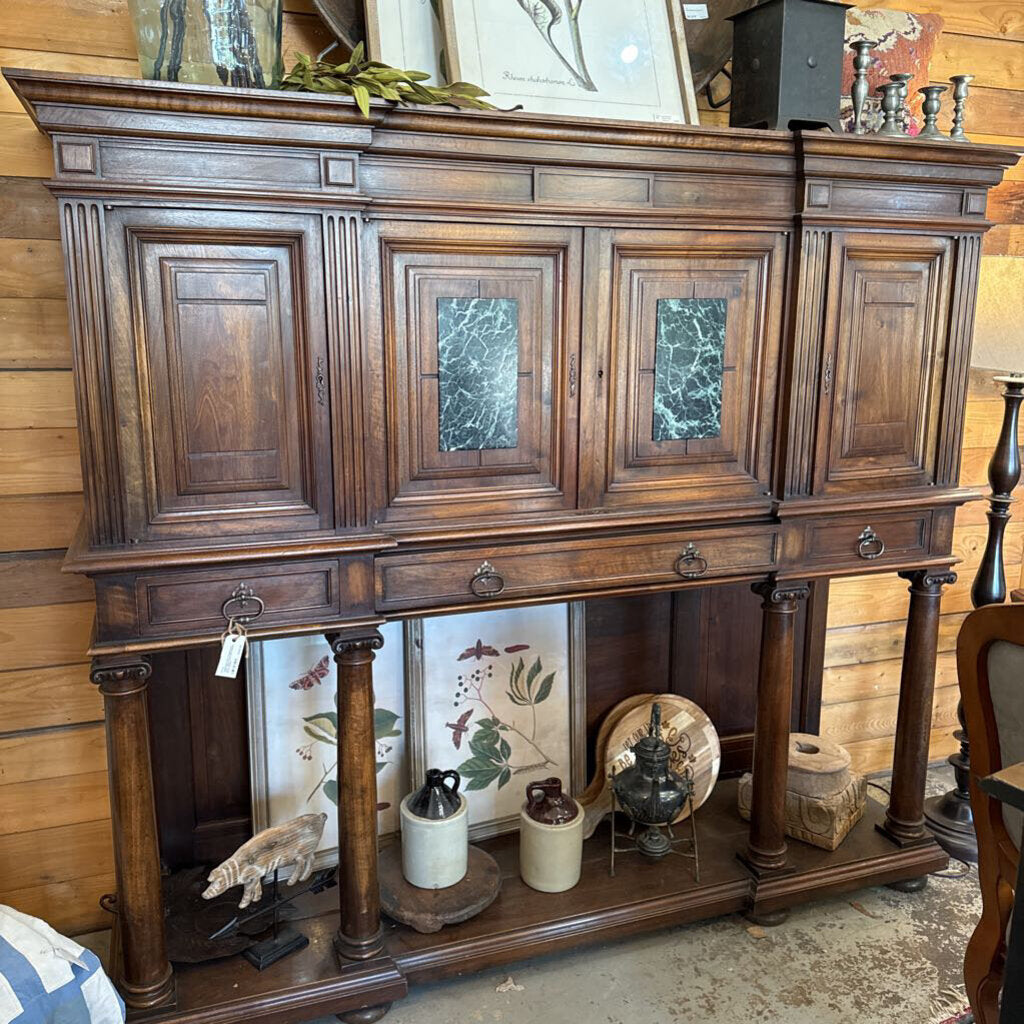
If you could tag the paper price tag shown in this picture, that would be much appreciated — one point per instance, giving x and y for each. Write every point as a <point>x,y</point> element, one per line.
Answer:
<point>232,647</point>
<point>695,12</point>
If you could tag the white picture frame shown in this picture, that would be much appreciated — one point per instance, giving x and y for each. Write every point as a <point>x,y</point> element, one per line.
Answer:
<point>597,58</point>
<point>451,653</point>
<point>290,754</point>
<point>407,34</point>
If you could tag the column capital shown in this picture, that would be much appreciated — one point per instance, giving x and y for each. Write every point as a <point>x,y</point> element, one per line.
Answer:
<point>928,581</point>
<point>120,675</point>
<point>776,594</point>
<point>354,641</point>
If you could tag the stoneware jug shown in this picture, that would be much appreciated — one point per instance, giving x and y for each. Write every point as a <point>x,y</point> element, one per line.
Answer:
<point>435,833</point>
<point>550,837</point>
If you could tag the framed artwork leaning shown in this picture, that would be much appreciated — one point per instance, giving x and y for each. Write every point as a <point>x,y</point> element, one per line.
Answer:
<point>499,696</point>
<point>583,58</point>
<point>293,733</point>
<point>407,34</point>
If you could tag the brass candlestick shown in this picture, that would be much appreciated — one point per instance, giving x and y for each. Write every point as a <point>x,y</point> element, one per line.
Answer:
<point>859,89</point>
<point>891,104</point>
<point>931,108</point>
<point>903,78</point>
<point>961,88</point>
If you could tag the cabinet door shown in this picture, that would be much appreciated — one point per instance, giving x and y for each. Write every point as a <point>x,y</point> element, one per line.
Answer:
<point>480,336</point>
<point>223,321</point>
<point>687,329</point>
<point>883,362</point>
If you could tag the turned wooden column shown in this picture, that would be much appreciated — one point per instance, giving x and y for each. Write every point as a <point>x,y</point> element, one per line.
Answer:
<point>766,845</point>
<point>904,819</point>
<point>144,974</point>
<point>359,936</point>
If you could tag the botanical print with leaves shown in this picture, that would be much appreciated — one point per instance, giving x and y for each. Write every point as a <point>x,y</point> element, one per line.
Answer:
<point>299,733</point>
<point>590,58</point>
<point>497,704</point>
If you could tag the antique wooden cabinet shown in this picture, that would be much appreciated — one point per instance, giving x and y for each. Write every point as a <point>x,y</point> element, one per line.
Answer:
<point>334,370</point>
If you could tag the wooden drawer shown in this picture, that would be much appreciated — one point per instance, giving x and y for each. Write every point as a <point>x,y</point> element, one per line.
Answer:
<point>323,590</point>
<point>859,541</point>
<point>484,574</point>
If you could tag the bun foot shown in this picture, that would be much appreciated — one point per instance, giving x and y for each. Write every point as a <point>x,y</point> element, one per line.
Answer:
<point>768,918</point>
<point>909,884</point>
<point>367,1015</point>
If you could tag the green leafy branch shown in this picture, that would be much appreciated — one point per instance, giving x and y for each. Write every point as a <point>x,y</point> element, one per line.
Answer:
<point>323,728</point>
<point>362,79</point>
<point>492,752</point>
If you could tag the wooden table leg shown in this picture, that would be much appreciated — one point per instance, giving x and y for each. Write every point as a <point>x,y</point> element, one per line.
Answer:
<point>766,845</point>
<point>904,819</point>
<point>144,974</point>
<point>360,936</point>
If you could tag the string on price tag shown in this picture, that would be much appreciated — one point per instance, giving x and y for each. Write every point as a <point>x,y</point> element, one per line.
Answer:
<point>233,642</point>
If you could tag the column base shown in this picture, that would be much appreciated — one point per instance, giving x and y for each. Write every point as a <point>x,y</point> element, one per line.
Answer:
<point>366,1015</point>
<point>950,820</point>
<point>763,869</point>
<point>904,836</point>
<point>161,996</point>
<point>359,949</point>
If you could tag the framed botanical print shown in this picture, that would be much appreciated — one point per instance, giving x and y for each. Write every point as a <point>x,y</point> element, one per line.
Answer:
<point>500,697</point>
<point>583,58</point>
<point>293,733</point>
<point>407,34</point>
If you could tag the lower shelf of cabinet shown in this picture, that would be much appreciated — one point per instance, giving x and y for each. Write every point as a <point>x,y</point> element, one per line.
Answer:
<point>643,896</point>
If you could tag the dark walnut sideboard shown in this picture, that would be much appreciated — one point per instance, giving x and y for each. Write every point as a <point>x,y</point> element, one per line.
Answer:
<point>354,370</point>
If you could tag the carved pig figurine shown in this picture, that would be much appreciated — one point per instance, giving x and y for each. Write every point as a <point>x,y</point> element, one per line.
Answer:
<point>293,842</point>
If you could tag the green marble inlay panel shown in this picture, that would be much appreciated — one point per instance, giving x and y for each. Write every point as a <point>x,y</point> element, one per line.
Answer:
<point>688,367</point>
<point>478,373</point>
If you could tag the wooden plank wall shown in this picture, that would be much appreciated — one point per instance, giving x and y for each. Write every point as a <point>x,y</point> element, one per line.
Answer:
<point>55,846</point>
<point>55,854</point>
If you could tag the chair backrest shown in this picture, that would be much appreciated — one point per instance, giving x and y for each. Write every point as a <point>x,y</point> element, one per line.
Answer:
<point>990,668</point>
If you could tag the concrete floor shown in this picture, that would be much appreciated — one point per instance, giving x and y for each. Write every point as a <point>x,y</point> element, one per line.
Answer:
<point>874,957</point>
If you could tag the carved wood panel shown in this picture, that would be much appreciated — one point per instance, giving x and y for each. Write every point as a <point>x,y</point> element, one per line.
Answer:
<point>690,326</point>
<point>229,344</point>
<point>480,344</point>
<point>883,363</point>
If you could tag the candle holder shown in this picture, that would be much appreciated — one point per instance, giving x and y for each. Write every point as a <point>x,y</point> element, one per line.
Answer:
<point>931,108</point>
<point>891,104</point>
<point>859,89</point>
<point>961,88</point>
<point>905,119</point>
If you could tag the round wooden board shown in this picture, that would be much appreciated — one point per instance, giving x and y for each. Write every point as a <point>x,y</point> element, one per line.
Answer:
<point>687,730</point>
<point>429,910</point>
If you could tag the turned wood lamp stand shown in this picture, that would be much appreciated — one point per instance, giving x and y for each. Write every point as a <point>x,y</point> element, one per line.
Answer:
<point>433,361</point>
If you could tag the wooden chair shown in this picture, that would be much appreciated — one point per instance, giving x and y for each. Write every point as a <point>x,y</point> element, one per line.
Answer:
<point>990,666</point>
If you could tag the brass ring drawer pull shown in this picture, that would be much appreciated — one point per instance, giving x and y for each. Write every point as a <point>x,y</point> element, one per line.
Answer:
<point>691,564</point>
<point>243,596</point>
<point>487,581</point>
<point>870,545</point>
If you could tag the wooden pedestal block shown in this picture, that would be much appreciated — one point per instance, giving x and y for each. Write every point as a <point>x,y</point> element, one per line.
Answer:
<point>820,821</point>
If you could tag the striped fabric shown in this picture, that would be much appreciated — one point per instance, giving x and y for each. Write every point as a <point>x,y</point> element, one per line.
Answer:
<point>46,978</point>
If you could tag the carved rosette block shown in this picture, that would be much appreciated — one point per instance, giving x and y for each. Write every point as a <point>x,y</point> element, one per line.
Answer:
<point>144,975</point>
<point>359,936</point>
<point>821,821</point>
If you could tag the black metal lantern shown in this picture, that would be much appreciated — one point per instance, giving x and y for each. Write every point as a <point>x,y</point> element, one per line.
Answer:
<point>787,64</point>
<point>652,795</point>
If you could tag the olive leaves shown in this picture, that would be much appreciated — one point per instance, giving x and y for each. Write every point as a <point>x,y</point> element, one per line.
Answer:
<point>362,79</point>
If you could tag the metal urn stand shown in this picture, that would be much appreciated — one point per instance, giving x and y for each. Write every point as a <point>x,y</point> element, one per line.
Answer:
<point>949,816</point>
